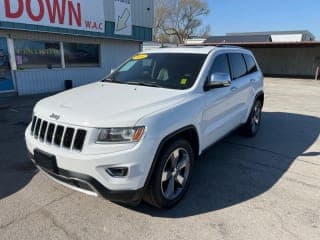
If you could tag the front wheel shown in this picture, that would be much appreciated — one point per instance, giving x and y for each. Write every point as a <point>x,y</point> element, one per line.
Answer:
<point>172,175</point>
<point>252,126</point>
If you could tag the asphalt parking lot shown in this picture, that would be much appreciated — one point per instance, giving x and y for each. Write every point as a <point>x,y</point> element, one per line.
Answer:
<point>262,188</point>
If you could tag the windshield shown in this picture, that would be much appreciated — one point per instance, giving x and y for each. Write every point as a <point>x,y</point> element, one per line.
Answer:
<point>166,70</point>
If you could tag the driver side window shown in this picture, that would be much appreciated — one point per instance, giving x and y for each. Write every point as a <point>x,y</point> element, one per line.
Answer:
<point>220,65</point>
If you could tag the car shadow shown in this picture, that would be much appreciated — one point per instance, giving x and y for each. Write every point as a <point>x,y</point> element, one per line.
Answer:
<point>16,170</point>
<point>238,169</point>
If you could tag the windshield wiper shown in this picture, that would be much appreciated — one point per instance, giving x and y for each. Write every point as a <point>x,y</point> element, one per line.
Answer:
<point>111,80</point>
<point>147,84</point>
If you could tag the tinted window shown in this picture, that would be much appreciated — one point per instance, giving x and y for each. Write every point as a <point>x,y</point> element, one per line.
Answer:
<point>251,64</point>
<point>220,65</point>
<point>37,54</point>
<point>167,70</point>
<point>238,65</point>
<point>81,55</point>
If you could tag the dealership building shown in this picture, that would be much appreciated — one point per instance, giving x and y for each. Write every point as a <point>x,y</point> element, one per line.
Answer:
<point>280,53</point>
<point>45,45</point>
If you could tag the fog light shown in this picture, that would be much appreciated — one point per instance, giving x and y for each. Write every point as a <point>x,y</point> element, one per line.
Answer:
<point>117,172</point>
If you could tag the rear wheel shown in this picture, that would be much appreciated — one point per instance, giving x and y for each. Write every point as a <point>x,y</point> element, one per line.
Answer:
<point>172,175</point>
<point>252,126</point>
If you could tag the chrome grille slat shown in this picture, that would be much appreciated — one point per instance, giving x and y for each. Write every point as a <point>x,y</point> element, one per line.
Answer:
<point>45,134</point>
<point>63,134</point>
<point>58,135</point>
<point>37,128</point>
<point>41,124</point>
<point>50,133</point>
<point>73,139</point>
<point>43,130</point>
<point>33,125</point>
<point>54,133</point>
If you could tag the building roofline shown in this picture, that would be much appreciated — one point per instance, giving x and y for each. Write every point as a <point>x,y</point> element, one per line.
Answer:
<point>270,33</point>
<point>264,44</point>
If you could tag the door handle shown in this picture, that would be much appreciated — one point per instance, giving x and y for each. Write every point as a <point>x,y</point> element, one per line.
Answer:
<point>252,80</point>
<point>233,89</point>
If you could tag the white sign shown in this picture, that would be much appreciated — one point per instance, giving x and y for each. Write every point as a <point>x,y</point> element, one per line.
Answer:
<point>71,14</point>
<point>123,17</point>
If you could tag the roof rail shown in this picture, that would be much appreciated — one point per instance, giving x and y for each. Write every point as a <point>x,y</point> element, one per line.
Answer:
<point>194,45</point>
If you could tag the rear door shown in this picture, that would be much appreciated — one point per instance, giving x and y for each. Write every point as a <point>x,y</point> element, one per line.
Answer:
<point>254,74</point>
<point>241,86</point>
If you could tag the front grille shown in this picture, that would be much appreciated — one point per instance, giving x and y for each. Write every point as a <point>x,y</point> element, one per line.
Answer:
<point>57,134</point>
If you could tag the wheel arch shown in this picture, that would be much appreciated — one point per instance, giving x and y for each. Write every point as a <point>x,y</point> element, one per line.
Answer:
<point>189,133</point>
<point>259,96</point>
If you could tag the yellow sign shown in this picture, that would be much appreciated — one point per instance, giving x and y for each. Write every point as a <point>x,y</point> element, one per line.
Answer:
<point>184,81</point>
<point>140,56</point>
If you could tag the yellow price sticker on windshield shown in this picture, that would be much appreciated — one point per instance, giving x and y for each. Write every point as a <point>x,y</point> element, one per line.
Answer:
<point>184,81</point>
<point>140,56</point>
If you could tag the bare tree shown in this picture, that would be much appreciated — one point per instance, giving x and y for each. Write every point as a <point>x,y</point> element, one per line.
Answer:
<point>161,12</point>
<point>179,20</point>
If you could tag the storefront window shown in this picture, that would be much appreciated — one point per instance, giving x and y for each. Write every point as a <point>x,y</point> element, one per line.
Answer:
<point>37,54</point>
<point>81,55</point>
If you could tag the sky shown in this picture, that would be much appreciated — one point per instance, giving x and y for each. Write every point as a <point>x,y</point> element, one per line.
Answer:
<point>228,16</point>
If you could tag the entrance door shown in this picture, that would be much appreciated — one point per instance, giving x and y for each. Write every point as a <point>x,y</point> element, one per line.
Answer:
<point>6,80</point>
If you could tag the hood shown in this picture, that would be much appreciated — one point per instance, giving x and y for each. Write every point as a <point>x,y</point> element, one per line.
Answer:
<point>107,104</point>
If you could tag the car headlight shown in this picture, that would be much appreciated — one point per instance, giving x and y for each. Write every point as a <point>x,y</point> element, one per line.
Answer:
<point>120,135</point>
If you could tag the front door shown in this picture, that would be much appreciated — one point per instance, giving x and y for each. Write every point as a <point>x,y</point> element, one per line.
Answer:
<point>6,80</point>
<point>219,113</point>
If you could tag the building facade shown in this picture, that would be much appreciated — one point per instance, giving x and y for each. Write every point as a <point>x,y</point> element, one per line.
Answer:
<point>43,43</point>
<point>280,54</point>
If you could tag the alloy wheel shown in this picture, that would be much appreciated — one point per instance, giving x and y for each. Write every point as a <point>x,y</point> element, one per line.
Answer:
<point>256,117</point>
<point>175,173</point>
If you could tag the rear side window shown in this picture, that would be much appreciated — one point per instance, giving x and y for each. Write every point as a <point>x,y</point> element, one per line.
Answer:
<point>220,65</point>
<point>251,64</point>
<point>238,65</point>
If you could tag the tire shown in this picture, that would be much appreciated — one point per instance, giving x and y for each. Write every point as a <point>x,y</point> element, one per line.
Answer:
<point>172,174</point>
<point>252,126</point>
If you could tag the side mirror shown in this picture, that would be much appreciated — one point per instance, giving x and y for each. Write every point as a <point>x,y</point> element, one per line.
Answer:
<point>218,80</point>
<point>112,70</point>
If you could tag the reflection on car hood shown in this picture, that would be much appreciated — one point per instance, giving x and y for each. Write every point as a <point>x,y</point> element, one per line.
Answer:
<point>107,104</point>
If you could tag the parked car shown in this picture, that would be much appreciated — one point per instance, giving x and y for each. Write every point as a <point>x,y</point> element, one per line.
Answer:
<point>137,133</point>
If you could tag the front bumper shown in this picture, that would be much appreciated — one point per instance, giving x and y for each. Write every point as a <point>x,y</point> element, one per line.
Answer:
<point>89,185</point>
<point>88,172</point>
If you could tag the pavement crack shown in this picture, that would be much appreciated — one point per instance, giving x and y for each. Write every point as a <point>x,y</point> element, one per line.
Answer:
<point>56,200</point>
<point>302,183</point>
<point>258,148</point>
<point>6,225</point>
<point>33,212</point>
<point>56,223</point>
<point>283,227</point>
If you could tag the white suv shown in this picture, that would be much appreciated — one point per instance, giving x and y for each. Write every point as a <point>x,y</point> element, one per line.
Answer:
<point>136,134</point>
